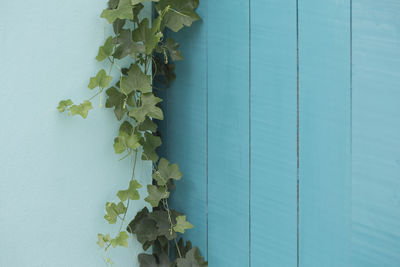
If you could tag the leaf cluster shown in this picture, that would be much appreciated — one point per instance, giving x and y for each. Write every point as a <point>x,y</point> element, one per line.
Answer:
<point>132,95</point>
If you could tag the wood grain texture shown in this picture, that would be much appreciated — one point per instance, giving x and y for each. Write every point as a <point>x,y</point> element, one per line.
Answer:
<point>325,133</point>
<point>273,133</point>
<point>228,124</point>
<point>376,131</point>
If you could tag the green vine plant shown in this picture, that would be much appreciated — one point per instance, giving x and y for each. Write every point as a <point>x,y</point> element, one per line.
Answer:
<point>135,103</point>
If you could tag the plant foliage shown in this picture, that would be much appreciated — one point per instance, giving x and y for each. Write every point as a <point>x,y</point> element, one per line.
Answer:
<point>135,104</point>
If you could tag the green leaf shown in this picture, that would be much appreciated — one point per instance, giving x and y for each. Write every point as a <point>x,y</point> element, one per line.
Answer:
<point>82,109</point>
<point>149,36</point>
<point>160,260</point>
<point>148,125</point>
<point>164,73</point>
<point>135,81</point>
<point>183,248</point>
<point>118,24</point>
<point>113,4</point>
<point>150,143</point>
<point>156,194</point>
<point>144,227</point>
<point>172,48</point>
<point>163,225</point>
<point>126,127</point>
<point>123,11</point>
<point>166,171</point>
<point>124,142</point>
<point>192,259</point>
<point>180,14</point>
<point>135,2</point>
<point>106,50</point>
<point>127,139</point>
<point>101,80</point>
<point>148,108</point>
<point>126,45</point>
<point>120,240</point>
<point>131,193</point>
<point>182,224</point>
<point>136,10</point>
<point>64,104</point>
<point>113,210</point>
<point>103,239</point>
<point>116,100</point>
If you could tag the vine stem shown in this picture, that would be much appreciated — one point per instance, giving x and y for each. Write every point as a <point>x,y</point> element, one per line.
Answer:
<point>127,203</point>
<point>165,202</point>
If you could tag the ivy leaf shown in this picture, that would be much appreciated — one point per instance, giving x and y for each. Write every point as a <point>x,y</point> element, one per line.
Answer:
<point>182,224</point>
<point>126,45</point>
<point>131,193</point>
<point>113,4</point>
<point>147,260</point>
<point>135,2</point>
<point>136,80</point>
<point>163,225</point>
<point>116,99</point>
<point>106,50</point>
<point>103,239</point>
<point>150,143</point>
<point>126,127</point>
<point>160,260</point>
<point>180,14</point>
<point>183,249</point>
<point>64,104</point>
<point>148,108</point>
<point>166,171</point>
<point>156,194</point>
<point>118,24</point>
<point>148,125</point>
<point>123,11</point>
<point>143,226</point>
<point>140,216</point>
<point>127,139</point>
<point>113,210</point>
<point>120,240</point>
<point>163,73</point>
<point>82,109</point>
<point>192,259</point>
<point>101,80</point>
<point>148,35</point>
<point>172,48</point>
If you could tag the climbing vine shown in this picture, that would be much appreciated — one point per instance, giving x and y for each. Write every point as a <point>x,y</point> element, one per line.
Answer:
<point>135,103</point>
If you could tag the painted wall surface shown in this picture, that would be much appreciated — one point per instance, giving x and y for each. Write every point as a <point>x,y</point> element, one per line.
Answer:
<point>57,172</point>
<point>285,121</point>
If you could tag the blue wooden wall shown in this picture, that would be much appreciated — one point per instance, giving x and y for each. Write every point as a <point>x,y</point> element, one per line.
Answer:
<point>285,121</point>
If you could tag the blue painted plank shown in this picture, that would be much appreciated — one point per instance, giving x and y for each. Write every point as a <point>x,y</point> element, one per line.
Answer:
<point>325,133</point>
<point>184,129</point>
<point>376,131</point>
<point>273,133</point>
<point>228,133</point>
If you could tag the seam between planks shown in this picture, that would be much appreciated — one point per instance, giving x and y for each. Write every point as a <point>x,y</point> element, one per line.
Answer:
<point>298,134</point>
<point>249,96</point>
<point>207,136</point>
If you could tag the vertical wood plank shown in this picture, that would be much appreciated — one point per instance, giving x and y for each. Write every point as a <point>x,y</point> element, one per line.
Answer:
<point>325,183</point>
<point>228,133</point>
<point>376,131</point>
<point>184,129</point>
<point>273,133</point>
